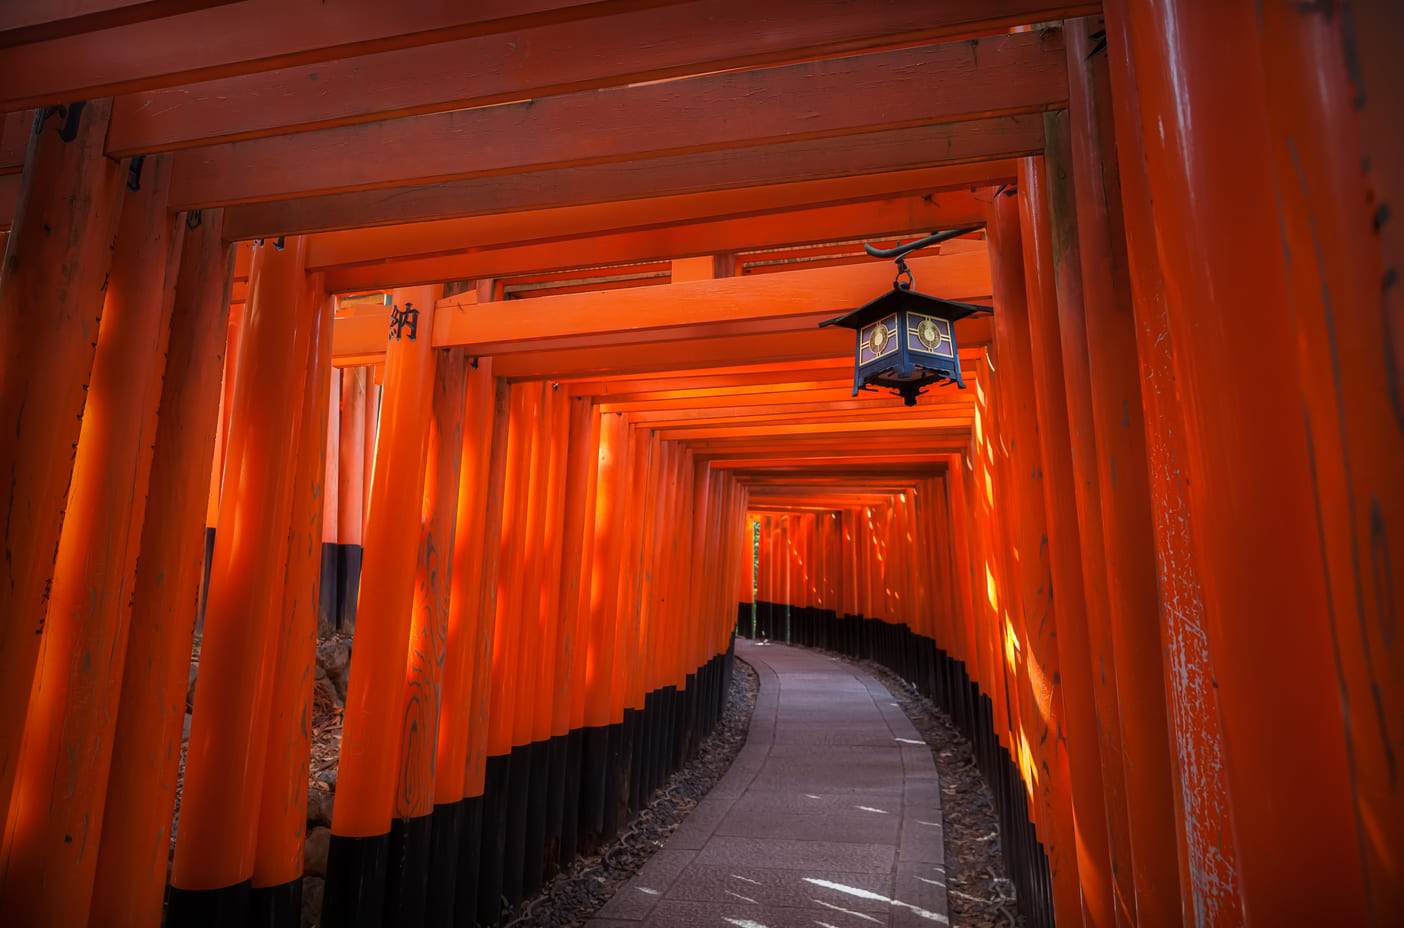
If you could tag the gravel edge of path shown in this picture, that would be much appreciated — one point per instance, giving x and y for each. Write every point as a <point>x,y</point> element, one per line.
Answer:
<point>575,895</point>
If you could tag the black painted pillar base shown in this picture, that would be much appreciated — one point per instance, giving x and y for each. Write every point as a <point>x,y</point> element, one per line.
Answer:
<point>616,783</point>
<point>555,805</point>
<point>445,848</point>
<point>514,847</point>
<point>571,794</point>
<point>645,755</point>
<point>276,906</point>
<point>348,574</point>
<point>329,589</point>
<point>227,907</point>
<point>633,767</point>
<point>354,893</point>
<point>534,821</point>
<point>594,775</point>
<point>470,859</point>
<point>407,876</point>
<point>494,839</point>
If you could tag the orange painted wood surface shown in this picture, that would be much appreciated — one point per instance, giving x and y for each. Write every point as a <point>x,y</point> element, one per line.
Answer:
<point>468,256</point>
<point>1329,212</point>
<point>627,46</point>
<point>676,310</point>
<point>671,188</point>
<point>240,38</point>
<point>467,627</point>
<point>375,686</point>
<point>994,76</point>
<point>26,21</point>
<point>711,223</point>
<point>61,784</point>
<point>1236,426</point>
<point>425,662</point>
<point>282,809</point>
<point>127,890</point>
<point>506,639</point>
<point>228,732</point>
<point>486,644</point>
<point>1059,360</point>
<point>57,257</point>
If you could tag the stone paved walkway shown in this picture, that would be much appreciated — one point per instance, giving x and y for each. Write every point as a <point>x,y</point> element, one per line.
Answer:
<point>830,817</point>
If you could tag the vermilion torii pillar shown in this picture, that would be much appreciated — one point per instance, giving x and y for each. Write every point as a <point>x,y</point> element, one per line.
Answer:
<point>1267,584</point>
<point>127,890</point>
<point>282,819</point>
<point>214,859</point>
<point>61,783</point>
<point>56,263</point>
<point>356,864</point>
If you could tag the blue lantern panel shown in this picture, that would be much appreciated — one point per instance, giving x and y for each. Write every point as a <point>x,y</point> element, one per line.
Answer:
<point>930,335</point>
<point>878,340</point>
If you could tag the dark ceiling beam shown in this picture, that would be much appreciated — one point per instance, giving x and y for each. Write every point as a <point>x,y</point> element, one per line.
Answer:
<point>898,217</point>
<point>902,161</point>
<point>627,47</point>
<point>929,88</point>
<point>259,35</point>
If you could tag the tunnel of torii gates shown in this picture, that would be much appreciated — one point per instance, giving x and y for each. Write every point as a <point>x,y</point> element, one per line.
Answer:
<point>489,332</point>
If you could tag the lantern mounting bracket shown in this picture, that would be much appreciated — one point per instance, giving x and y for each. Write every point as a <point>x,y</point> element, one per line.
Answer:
<point>899,253</point>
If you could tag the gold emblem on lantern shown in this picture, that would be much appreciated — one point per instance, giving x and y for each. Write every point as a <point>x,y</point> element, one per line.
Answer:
<point>877,340</point>
<point>931,334</point>
<point>928,334</point>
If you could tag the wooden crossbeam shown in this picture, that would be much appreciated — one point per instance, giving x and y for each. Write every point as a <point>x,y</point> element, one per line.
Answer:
<point>745,467</point>
<point>930,86</point>
<point>845,427</point>
<point>627,47</point>
<point>865,405</point>
<point>834,394</point>
<point>682,383</point>
<point>26,21</point>
<point>816,414</point>
<point>471,259</point>
<point>259,35</point>
<point>686,186</point>
<point>787,302</point>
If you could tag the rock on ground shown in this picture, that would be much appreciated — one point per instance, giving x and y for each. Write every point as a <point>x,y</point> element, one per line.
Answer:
<point>314,857</point>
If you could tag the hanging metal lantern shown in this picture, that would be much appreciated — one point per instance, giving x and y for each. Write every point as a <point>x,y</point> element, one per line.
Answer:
<point>906,340</point>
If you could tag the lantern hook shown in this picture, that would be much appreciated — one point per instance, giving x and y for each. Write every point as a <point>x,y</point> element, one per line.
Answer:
<point>900,251</point>
<point>902,268</point>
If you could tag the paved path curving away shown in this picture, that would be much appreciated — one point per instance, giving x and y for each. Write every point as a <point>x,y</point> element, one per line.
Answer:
<point>830,817</point>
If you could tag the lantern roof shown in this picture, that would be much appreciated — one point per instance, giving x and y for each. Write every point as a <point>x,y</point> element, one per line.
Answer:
<point>900,298</point>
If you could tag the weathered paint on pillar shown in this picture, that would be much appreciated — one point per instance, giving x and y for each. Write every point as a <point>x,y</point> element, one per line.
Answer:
<point>57,258</point>
<point>130,882</point>
<point>1353,400</point>
<point>282,815</point>
<point>1190,690</point>
<point>1200,86</point>
<point>1069,452</point>
<point>228,737</point>
<point>1058,546</point>
<point>375,687</point>
<point>61,785</point>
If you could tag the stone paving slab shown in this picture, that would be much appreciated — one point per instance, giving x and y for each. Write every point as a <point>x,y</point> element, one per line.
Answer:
<point>830,817</point>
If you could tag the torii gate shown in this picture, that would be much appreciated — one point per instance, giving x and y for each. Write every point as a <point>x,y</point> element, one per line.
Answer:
<point>582,248</point>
